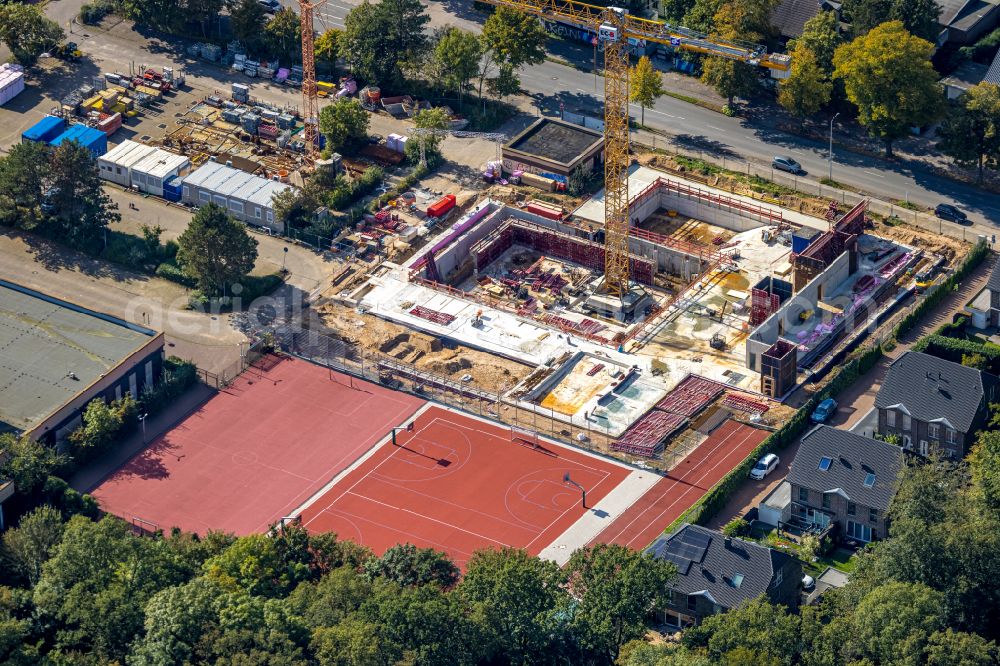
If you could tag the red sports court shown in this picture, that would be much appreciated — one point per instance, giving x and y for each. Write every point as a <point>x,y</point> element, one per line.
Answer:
<point>256,450</point>
<point>645,520</point>
<point>458,484</point>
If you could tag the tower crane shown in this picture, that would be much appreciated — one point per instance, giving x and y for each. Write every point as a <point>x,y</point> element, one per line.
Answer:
<point>310,100</point>
<point>614,27</point>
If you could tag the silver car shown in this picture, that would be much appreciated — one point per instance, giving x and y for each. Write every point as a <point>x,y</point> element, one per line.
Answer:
<point>787,164</point>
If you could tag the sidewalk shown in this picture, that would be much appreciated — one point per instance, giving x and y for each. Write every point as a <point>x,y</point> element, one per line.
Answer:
<point>91,476</point>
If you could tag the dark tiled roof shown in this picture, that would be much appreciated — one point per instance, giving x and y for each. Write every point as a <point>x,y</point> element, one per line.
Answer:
<point>717,570</point>
<point>993,76</point>
<point>932,388</point>
<point>851,459</point>
<point>994,282</point>
<point>789,16</point>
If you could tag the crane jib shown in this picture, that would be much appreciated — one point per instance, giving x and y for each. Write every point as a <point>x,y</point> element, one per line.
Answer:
<point>594,18</point>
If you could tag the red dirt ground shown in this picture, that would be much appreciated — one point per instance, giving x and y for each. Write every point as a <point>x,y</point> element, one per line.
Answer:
<point>642,522</point>
<point>255,451</point>
<point>459,484</point>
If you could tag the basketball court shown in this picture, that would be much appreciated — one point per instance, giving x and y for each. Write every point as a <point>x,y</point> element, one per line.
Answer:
<point>458,483</point>
<point>645,520</point>
<point>255,451</point>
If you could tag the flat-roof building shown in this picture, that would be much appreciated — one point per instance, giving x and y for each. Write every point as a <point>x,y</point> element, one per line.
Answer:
<point>56,357</point>
<point>246,197</point>
<point>552,146</point>
<point>146,168</point>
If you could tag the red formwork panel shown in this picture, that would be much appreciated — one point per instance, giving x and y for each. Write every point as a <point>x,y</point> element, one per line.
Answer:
<point>645,437</point>
<point>690,396</point>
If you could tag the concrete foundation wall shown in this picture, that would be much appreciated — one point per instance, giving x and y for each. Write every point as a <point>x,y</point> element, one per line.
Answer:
<point>699,209</point>
<point>785,317</point>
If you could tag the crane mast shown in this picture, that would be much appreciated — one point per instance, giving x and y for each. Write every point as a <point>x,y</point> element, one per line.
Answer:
<point>310,100</point>
<point>614,27</point>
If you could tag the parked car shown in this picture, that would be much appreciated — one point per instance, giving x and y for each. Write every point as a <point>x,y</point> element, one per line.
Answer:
<point>951,213</point>
<point>272,6</point>
<point>782,163</point>
<point>824,411</point>
<point>808,583</point>
<point>764,466</point>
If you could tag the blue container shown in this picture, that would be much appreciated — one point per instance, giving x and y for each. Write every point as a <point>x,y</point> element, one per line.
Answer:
<point>44,130</point>
<point>173,188</point>
<point>94,140</point>
<point>803,238</point>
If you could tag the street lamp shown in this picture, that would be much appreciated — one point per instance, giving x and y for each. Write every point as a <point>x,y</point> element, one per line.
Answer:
<point>284,257</point>
<point>583,490</point>
<point>830,158</point>
<point>142,420</point>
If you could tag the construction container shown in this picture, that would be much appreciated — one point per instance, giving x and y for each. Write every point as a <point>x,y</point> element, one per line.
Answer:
<point>110,124</point>
<point>803,238</point>
<point>88,137</point>
<point>172,188</point>
<point>233,115</point>
<point>44,130</point>
<point>11,82</point>
<point>286,121</point>
<point>442,206</point>
<point>270,116</point>
<point>249,122</point>
<point>392,142</point>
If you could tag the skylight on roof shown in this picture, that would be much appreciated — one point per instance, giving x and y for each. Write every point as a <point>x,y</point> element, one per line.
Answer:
<point>737,580</point>
<point>869,480</point>
<point>824,463</point>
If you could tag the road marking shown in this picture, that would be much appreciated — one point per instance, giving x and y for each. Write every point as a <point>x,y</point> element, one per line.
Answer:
<point>873,173</point>
<point>668,115</point>
<point>717,129</point>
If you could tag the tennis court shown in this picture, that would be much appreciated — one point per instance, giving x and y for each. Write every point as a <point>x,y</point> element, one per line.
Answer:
<point>254,451</point>
<point>458,484</point>
<point>645,520</point>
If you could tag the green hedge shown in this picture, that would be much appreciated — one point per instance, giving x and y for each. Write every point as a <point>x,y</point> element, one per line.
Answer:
<point>952,349</point>
<point>178,377</point>
<point>718,495</point>
<point>168,270</point>
<point>971,261</point>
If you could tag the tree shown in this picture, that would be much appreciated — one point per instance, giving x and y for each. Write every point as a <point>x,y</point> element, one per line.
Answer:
<point>30,543</point>
<point>984,462</point>
<point>701,15</point>
<point>283,33</point>
<point>888,76</point>
<point>744,20</point>
<point>807,88</point>
<point>23,173</point>
<point>344,124</point>
<point>351,642</point>
<point>730,78</point>
<point>247,19</point>
<point>434,119</point>
<point>956,648</point>
<point>512,38</point>
<point>380,39</point>
<point>328,47</point>
<point>971,133</point>
<point>516,594</point>
<point>203,12</point>
<point>893,624</point>
<point>919,17</point>
<point>216,250</point>
<point>27,32</point>
<point>617,588</point>
<point>456,58</point>
<point>176,618</point>
<point>102,423</point>
<point>757,627</point>
<point>646,85</point>
<point>505,83</point>
<point>82,209</point>
<point>863,15</point>
<point>26,462</point>
<point>411,566</point>
<point>674,11</point>
<point>821,35</point>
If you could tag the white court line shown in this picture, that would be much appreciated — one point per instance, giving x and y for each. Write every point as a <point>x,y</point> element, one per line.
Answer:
<point>416,537</point>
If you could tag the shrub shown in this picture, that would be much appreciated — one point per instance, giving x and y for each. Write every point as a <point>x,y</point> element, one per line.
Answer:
<point>178,376</point>
<point>168,270</point>
<point>736,527</point>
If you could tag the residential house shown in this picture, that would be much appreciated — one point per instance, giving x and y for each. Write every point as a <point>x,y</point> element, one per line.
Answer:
<point>789,17</point>
<point>991,304</point>
<point>845,480</point>
<point>934,404</point>
<point>965,21</point>
<point>716,573</point>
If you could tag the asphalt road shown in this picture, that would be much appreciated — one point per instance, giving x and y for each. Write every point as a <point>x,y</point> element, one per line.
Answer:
<point>688,128</point>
